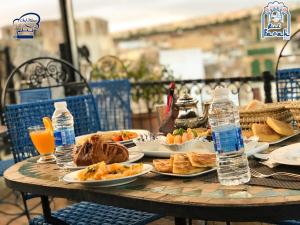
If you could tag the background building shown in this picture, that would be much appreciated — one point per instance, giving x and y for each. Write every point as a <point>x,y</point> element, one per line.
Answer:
<point>231,43</point>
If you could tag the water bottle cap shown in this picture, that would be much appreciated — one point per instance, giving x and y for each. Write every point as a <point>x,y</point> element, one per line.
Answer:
<point>59,105</point>
<point>221,93</point>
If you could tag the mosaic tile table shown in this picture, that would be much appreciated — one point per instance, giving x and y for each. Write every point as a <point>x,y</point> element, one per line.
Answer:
<point>187,198</point>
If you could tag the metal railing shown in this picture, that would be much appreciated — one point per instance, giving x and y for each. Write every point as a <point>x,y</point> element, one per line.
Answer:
<point>146,95</point>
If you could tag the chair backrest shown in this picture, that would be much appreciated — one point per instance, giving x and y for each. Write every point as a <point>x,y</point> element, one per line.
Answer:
<point>288,84</point>
<point>19,117</point>
<point>43,73</point>
<point>35,95</point>
<point>113,103</point>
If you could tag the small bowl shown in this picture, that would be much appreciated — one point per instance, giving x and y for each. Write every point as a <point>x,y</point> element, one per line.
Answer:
<point>182,147</point>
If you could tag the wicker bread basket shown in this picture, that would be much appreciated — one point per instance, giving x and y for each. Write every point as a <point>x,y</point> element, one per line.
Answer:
<point>276,111</point>
<point>294,108</point>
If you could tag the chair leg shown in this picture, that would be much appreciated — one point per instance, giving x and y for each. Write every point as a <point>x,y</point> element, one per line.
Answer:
<point>180,221</point>
<point>26,211</point>
<point>47,212</point>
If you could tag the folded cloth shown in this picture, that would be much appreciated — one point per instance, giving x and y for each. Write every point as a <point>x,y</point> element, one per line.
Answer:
<point>270,163</point>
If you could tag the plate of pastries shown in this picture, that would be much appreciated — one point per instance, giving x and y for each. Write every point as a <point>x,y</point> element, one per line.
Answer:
<point>187,164</point>
<point>108,175</point>
<point>182,139</point>
<point>97,149</point>
<point>272,131</point>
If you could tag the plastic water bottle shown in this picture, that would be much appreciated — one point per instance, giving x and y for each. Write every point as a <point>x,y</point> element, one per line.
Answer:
<point>64,134</point>
<point>232,162</point>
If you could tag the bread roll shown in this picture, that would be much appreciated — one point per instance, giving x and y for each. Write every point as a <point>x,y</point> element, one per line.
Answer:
<point>280,127</point>
<point>265,133</point>
<point>96,150</point>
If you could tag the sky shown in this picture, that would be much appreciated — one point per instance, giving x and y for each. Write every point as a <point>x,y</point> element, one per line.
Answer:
<point>128,14</point>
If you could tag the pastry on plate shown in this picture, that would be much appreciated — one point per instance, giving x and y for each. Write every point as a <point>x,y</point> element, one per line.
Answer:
<point>202,159</point>
<point>163,165</point>
<point>80,140</point>
<point>264,133</point>
<point>280,127</point>
<point>182,165</point>
<point>95,150</point>
<point>102,171</point>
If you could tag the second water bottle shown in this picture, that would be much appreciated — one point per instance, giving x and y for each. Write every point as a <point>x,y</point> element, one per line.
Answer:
<point>64,134</point>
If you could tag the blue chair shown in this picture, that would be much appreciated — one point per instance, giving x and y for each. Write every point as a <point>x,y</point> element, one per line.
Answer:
<point>18,117</point>
<point>27,96</point>
<point>35,95</point>
<point>288,84</point>
<point>5,164</point>
<point>98,214</point>
<point>113,102</point>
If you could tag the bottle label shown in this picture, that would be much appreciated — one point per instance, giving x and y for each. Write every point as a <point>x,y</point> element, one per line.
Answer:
<point>227,139</point>
<point>64,136</point>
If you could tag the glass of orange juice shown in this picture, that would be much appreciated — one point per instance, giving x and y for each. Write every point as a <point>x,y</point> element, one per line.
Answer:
<point>43,141</point>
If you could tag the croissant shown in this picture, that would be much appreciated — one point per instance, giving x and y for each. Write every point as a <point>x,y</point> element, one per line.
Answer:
<point>95,150</point>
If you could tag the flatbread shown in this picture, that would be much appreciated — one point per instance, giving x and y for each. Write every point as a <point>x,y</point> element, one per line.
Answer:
<point>163,165</point>
<point>280,127</point>
<point>182,165</point>
<point>265,133</point>
<point>202,159</point>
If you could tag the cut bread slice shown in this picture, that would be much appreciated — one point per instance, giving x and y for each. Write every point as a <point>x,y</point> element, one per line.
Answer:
<point>280,127</point>
<point>265,133</point>
<point>182,165</point>
<point>163,165</point>
<point>202,159</point>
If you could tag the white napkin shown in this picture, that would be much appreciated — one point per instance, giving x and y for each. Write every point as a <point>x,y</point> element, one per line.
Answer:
<point>270,163</point>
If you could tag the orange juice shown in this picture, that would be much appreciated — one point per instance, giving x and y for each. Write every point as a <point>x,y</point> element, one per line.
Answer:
<point>43,141</point>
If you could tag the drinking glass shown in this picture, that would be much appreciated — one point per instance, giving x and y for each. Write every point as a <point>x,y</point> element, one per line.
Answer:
<point>43,141</point>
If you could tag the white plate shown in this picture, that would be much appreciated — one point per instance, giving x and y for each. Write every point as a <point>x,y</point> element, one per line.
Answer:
<point>133,157</point>
<point>155,149</point>
<point>138,131</point>
<point>72,178</point>
<point>285,138</point>
<point>288,155</point>
<point>185,175</point>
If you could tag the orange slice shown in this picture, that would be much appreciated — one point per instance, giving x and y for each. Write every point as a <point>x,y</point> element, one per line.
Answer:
<point>48,124</point>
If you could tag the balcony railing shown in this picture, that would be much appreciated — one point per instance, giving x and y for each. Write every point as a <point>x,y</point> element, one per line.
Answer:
<point>145,95</point>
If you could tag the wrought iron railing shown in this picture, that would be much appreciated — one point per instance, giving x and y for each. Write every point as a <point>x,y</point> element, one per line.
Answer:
<point>152,93</point>
<point>145,95</point>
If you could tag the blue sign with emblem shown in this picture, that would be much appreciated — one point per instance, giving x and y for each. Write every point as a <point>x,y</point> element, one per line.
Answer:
<point>26,25</point>
<point>276,21</point>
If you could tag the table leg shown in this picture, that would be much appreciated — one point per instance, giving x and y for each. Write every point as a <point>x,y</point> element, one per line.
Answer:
<point>180,221</point>
<point>47,212</point>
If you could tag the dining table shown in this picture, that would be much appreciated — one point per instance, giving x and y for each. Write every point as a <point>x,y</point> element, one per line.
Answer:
<point>181,198</point>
